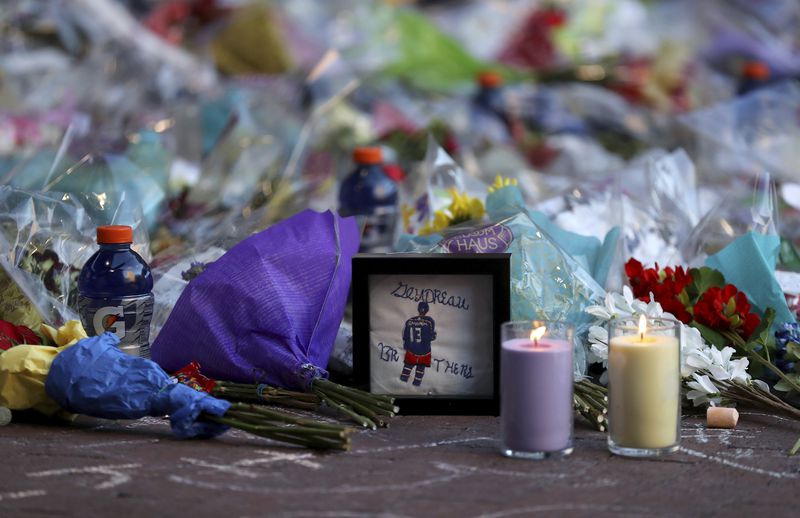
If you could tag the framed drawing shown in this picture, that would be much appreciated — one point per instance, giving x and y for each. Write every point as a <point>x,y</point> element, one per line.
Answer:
<point>426,329</point>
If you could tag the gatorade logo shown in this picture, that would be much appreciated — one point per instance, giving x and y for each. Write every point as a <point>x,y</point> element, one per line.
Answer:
<point>110,319</point>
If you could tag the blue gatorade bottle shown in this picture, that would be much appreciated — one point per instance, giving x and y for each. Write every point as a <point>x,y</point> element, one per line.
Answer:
<point>369,193</point>
<point>116,291</point>
<point>490,96</point>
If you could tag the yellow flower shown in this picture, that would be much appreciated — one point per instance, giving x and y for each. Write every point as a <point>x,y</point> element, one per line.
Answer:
<point>461,209</point>
<point>441,220</point>
<point>500,182</point>
<point>24,369</point>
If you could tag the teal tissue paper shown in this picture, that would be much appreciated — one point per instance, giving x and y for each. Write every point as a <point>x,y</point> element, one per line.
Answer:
<point>546,282</point>
<point>595,257</point>
<point>749,264</point>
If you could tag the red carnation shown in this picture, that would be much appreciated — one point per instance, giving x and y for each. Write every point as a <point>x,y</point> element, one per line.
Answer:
<point>666,286</point>
<point>11,335</point>
<point>726,308</point>
<point>676,308</point>
<point>642,280</point>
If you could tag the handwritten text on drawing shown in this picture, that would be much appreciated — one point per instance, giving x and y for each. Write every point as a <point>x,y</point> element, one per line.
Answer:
<point>429,295</point>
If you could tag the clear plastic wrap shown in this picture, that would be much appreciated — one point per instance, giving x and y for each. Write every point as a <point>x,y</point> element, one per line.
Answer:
<point>430,190</point>
<point>546,282</point>
<point>736,214</point>
<point>749,134</point>
<point>45,238</point>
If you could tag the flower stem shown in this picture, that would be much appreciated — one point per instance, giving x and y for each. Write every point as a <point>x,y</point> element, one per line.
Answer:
<point>740,344</point>
<point>753,394</point>
<point>363,407</point>
<point>280,416</point>
<point>768,364</point>
<point>307,437</point>
<point>264,393</point>
<point>355,416</point>
<point>795,448</point>
<point>590,401</point>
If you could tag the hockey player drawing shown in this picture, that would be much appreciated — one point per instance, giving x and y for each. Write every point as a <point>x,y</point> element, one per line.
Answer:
<point>418,333</point>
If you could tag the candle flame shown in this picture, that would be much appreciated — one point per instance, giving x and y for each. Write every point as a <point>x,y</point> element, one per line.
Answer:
<point>538,333</point>
<point>642,326</point>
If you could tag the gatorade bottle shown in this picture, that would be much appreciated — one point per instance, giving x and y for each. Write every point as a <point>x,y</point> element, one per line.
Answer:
<point>115,291</point>
<point>755,75</point>
<point>490,95</point>
<point>368,192</point>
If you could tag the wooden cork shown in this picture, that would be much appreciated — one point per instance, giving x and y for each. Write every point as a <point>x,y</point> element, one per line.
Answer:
<point>719,417</point>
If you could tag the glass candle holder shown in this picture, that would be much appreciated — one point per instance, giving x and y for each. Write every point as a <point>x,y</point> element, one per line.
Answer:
<point>644,386</point>
<point>536,410</point>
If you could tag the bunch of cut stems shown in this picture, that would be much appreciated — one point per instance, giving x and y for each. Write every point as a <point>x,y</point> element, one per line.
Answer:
<point>368,410</point>
<point>591,401</point>
<point>243,392</point>
<point>280,426</point>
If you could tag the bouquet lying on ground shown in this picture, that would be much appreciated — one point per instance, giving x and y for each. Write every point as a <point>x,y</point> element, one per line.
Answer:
<point>720,335</point>
<point>266,314</point>
<point>92,376</point>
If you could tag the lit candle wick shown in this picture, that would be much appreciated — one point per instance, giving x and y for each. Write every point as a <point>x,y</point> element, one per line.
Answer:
<point>536,334</point>
<point>642,327</point>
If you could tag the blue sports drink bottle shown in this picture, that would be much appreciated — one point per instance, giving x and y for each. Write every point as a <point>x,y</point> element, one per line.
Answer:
<point>116,291</point>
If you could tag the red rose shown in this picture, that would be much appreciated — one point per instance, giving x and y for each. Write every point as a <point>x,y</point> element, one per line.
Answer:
<point>11,335</point>
<point>725,309</point>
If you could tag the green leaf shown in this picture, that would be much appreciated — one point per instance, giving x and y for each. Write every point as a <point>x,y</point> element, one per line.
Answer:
<point>783,386</point>
<point>762,334</point>
<point>788,257</point>
<point>793,351</point>
<point>702,279</point>
<point>713,337</point>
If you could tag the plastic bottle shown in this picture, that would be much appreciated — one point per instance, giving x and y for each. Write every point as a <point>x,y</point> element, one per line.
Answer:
<point>490,96</point>
<point>368,192</point>
<point>755,75</point>
<point>115,291</point>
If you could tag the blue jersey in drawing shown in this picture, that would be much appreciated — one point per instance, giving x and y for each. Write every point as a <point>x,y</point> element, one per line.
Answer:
<point>418,334</point>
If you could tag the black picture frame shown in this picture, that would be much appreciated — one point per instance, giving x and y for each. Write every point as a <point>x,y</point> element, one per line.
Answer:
<point>498,266</point>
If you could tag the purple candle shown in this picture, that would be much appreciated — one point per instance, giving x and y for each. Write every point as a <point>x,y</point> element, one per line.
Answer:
<point>536,395</point>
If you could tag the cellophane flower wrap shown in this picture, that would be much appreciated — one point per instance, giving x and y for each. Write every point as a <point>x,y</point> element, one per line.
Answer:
<point>547,282</point>
<point>269,309</point>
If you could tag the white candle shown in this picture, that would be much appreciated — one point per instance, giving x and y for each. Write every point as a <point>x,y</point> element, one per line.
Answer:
<point>644,390</point>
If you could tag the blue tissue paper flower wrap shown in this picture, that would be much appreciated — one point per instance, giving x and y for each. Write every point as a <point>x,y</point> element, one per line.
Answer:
<point>94,377</point>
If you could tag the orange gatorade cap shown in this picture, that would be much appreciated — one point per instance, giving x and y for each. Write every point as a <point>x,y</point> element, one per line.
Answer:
<point>114,234</point>
<point>367,155</point>
<point>489,79</point>
<point>755,70</point>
